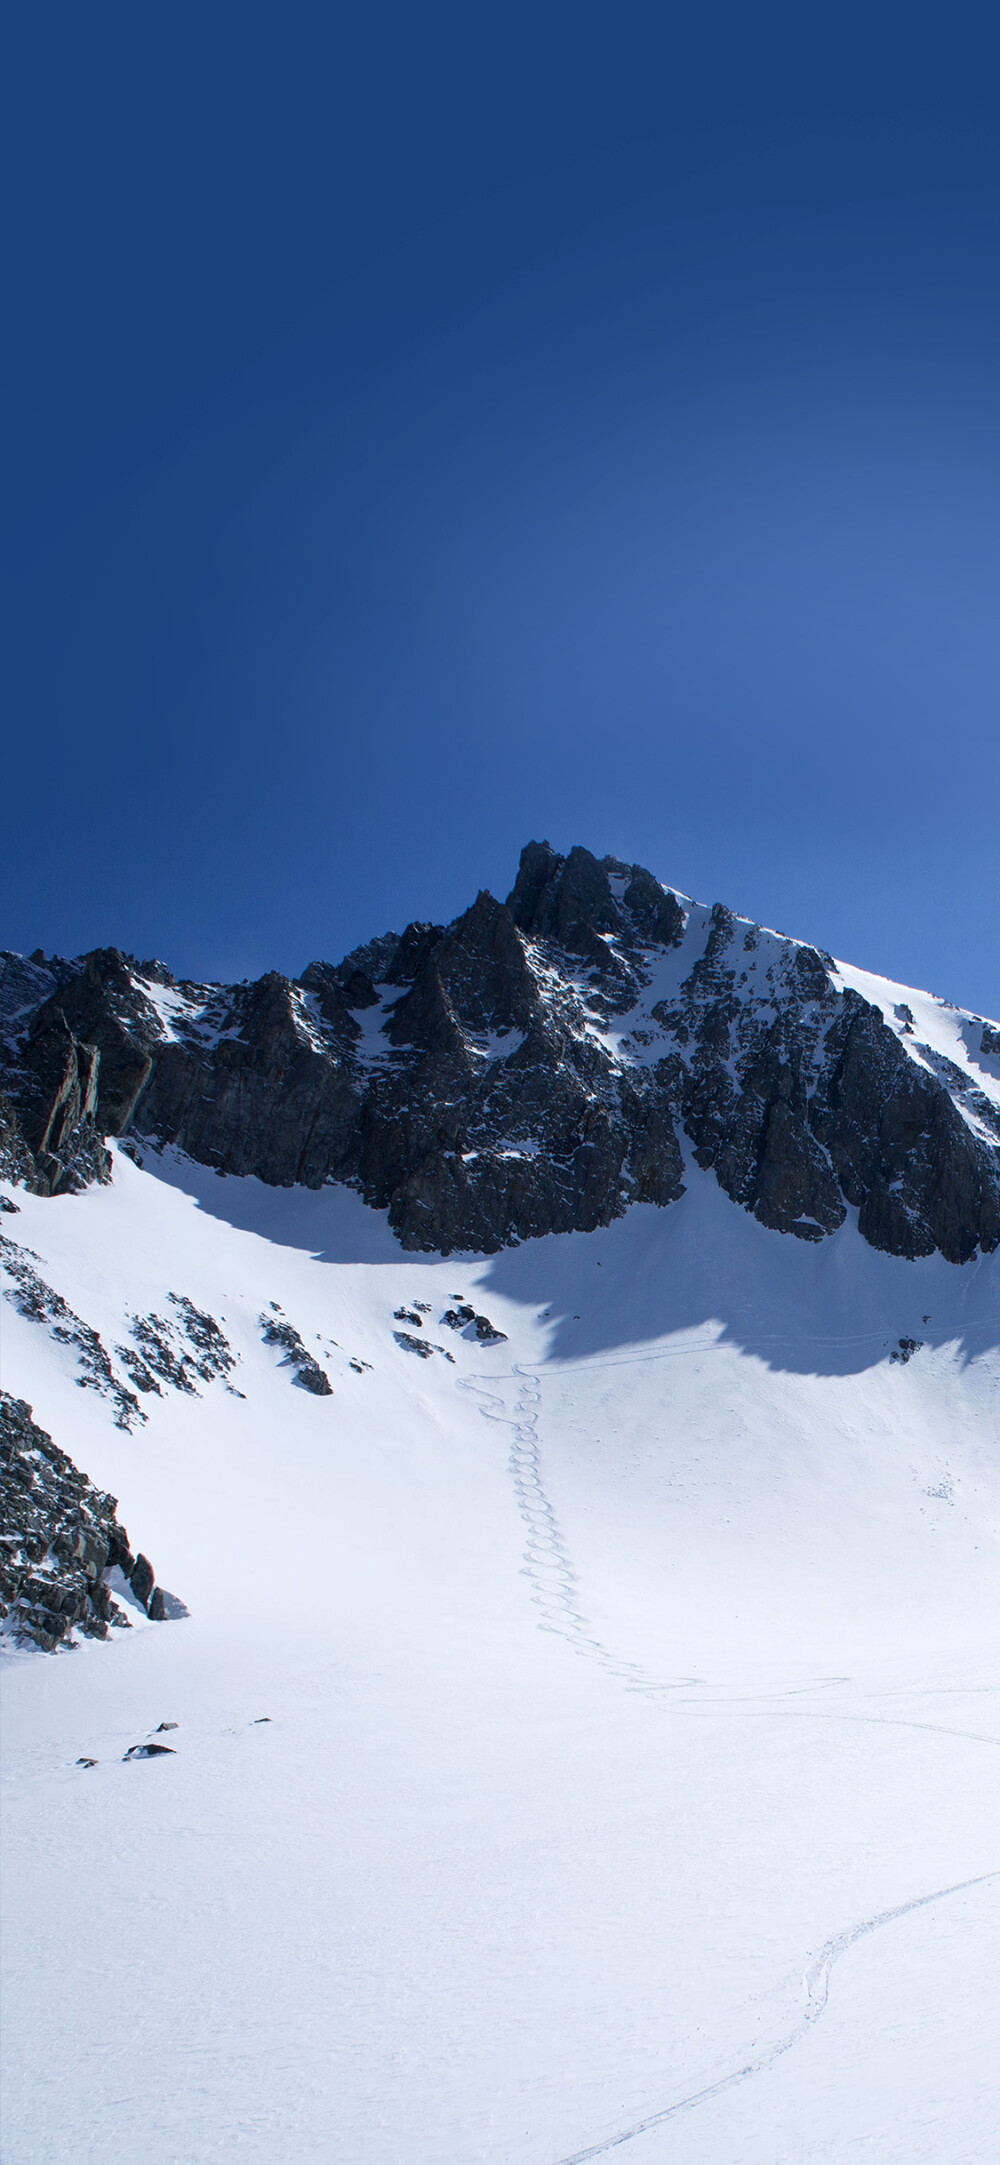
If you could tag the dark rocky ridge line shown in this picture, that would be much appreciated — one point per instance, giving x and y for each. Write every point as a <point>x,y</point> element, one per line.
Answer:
<point>530,1068</point>
<point>61,1535</point>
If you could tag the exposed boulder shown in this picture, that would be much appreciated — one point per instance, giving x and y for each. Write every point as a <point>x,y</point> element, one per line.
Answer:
<point>464,1318</point>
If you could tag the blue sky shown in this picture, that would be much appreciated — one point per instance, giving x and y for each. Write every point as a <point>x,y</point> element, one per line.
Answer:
<point>430,429</point>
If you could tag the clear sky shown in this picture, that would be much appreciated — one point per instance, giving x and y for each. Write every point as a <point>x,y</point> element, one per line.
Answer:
<point>431,427</point>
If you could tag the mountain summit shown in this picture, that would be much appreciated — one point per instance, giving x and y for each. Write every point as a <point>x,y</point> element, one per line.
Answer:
<point>533,1067</point>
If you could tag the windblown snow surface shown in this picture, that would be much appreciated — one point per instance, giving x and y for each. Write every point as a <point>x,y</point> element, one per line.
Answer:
<point>586,1746</point>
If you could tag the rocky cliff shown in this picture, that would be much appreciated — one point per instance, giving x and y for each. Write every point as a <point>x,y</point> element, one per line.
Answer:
<point>533,1067</point>
<point>61,1536</point>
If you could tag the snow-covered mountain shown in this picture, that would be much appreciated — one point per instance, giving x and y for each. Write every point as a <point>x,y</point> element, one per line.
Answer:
<point>533,1067</point>
<point>581,1647</point>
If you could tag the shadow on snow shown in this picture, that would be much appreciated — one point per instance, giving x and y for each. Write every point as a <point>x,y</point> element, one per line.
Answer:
<point>831,1307</point>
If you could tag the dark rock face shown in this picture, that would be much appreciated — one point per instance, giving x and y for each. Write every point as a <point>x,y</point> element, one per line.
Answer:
<point>104,1011</point>
<point>17,1161</point>
<point>60,1536</point>
<point>900,1147</point>
<point>60,1118</point>
<point>531,1068</point>
<point>570,900</point>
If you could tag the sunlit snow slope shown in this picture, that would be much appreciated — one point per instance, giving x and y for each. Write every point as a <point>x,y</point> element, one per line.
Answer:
<point>586,1745</point>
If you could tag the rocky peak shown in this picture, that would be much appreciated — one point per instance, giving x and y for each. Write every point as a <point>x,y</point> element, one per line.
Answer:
<point>481,965</point>
<point>410,951</point>
<point>574,900</point>
<point>565,899</point>
<point>335,998</point>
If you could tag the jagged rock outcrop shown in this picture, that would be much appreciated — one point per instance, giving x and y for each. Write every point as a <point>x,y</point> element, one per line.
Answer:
<point>533,1067</point>
<point>275,1330</point>
<point>571,902</point>
<point>61,1535</point>
<point>39,1303</point>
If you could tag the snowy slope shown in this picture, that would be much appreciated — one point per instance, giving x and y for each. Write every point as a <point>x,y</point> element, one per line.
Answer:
<point>629,1774</point>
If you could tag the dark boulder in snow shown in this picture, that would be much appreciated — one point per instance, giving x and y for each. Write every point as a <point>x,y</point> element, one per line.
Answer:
<point>142,1579</point>
<point>464,1319</point>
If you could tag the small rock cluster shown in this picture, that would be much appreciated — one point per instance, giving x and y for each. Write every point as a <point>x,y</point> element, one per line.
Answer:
<point>463,1317</point>
<point>61,1536</point>
<point>906,1349</point>
<point>162,1353</point>
<point>275,1330</point>
<point>423,1347</point>
<point>214,1355</point>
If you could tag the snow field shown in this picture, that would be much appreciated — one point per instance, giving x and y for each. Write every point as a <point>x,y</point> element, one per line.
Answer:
<point>480,1890</point>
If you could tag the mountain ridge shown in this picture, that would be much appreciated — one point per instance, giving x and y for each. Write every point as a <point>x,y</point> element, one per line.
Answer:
<point>532,1067</point>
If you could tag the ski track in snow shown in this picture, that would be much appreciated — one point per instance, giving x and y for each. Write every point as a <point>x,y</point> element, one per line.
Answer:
<point>554,1588</point>
<point>817,1987</point>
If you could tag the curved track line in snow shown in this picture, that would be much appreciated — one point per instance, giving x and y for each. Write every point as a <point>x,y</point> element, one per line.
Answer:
<point>817,1988</point>
<point>554,1585</point>
<point>762,1342</point>
<point>867,1721</point>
